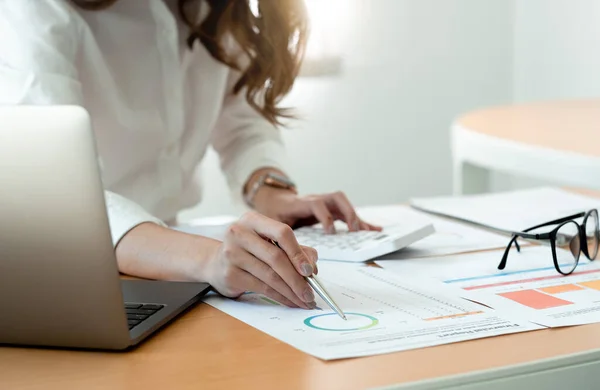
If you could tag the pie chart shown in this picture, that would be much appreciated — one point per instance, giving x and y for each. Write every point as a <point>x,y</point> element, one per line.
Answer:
<point>333,323</point>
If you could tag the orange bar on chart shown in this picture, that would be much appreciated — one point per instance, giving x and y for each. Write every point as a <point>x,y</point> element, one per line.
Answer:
<point>562,288</point>
<point>535,299</point>
<point>593,284</point>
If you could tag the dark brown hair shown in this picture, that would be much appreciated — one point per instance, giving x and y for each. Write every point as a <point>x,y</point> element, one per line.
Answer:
<point>272,41</point>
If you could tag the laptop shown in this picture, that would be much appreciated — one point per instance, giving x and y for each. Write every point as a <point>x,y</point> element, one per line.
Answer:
<point>59,281</point>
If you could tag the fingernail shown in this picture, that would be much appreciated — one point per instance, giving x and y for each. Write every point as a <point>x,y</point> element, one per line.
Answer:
<point>316,269</point>
<point>308,296</point>
<point>312,304</point>
<point>356,225</point>
<point>330,230</point>
<point>306,269</point>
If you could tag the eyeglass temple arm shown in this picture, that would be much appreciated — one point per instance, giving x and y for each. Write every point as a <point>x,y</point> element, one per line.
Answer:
<point>555,222</point>
<point>513,240</point>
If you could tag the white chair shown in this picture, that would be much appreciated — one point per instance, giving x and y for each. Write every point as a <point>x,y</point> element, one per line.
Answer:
<point>553,141</point>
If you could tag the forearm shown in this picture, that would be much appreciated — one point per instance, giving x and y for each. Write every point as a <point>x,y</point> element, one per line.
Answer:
<point>155,252</point>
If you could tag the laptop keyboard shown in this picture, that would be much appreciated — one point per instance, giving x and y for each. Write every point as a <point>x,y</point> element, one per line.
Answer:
<point>138,312</point>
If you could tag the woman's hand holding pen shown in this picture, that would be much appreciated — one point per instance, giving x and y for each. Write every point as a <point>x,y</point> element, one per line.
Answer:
<point>246,260</point>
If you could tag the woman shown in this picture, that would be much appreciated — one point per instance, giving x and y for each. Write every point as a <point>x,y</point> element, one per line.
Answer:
<point>163,79</point>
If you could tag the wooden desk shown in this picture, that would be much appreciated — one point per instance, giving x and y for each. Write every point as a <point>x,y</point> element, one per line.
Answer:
<point>555,141</point>
<point>206,349</point>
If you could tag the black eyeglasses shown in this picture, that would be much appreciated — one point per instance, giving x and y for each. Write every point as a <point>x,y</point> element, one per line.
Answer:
<point>568,235</point>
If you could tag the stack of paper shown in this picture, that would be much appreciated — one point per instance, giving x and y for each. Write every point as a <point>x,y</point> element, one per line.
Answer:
<point>510,211</point>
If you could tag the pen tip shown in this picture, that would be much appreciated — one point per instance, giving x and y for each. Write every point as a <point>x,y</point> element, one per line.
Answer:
<point>344,317</point>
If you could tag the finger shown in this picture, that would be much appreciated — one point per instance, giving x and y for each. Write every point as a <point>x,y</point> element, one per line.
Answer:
<point>323,215</point>
<point>254,284</point>
<point>373,227</point>
<point>367,226</point>
<point>339,201</point>
<point>284,236</point>
<point>271,278</point>
<point>312,254</point>
<point>269,264</point>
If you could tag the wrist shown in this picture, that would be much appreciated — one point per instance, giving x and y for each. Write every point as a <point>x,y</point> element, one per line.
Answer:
<point>205,250</point>
<point>270,201</point>
<point>262,183</point>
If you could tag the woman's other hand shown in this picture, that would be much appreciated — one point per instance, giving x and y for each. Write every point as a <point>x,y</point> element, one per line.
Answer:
<point>297,211</point>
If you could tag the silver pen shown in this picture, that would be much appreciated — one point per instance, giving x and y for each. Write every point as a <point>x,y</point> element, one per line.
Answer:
<point>318,287</point>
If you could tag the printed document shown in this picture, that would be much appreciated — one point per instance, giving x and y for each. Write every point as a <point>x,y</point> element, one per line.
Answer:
<point>385,313</point>
<point>529,286</point>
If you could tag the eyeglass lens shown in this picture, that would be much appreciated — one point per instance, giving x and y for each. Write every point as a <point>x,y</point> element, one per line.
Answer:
<point>592,234</point>
<point>568,246</point>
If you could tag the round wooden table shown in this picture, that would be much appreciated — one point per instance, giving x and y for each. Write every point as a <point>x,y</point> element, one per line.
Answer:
<point>555,141</point>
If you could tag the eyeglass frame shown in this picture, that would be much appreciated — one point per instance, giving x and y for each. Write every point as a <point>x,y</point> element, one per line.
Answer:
<point>551,236</point>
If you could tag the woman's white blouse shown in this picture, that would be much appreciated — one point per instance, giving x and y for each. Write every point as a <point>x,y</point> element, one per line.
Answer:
<point>155,105</point>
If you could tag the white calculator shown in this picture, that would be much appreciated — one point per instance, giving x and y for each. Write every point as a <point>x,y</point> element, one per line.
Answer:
<point>362,245</point>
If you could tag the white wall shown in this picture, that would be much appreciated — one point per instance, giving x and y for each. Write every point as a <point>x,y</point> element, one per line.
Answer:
<point>557,49</point>
<point>379,131</point>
